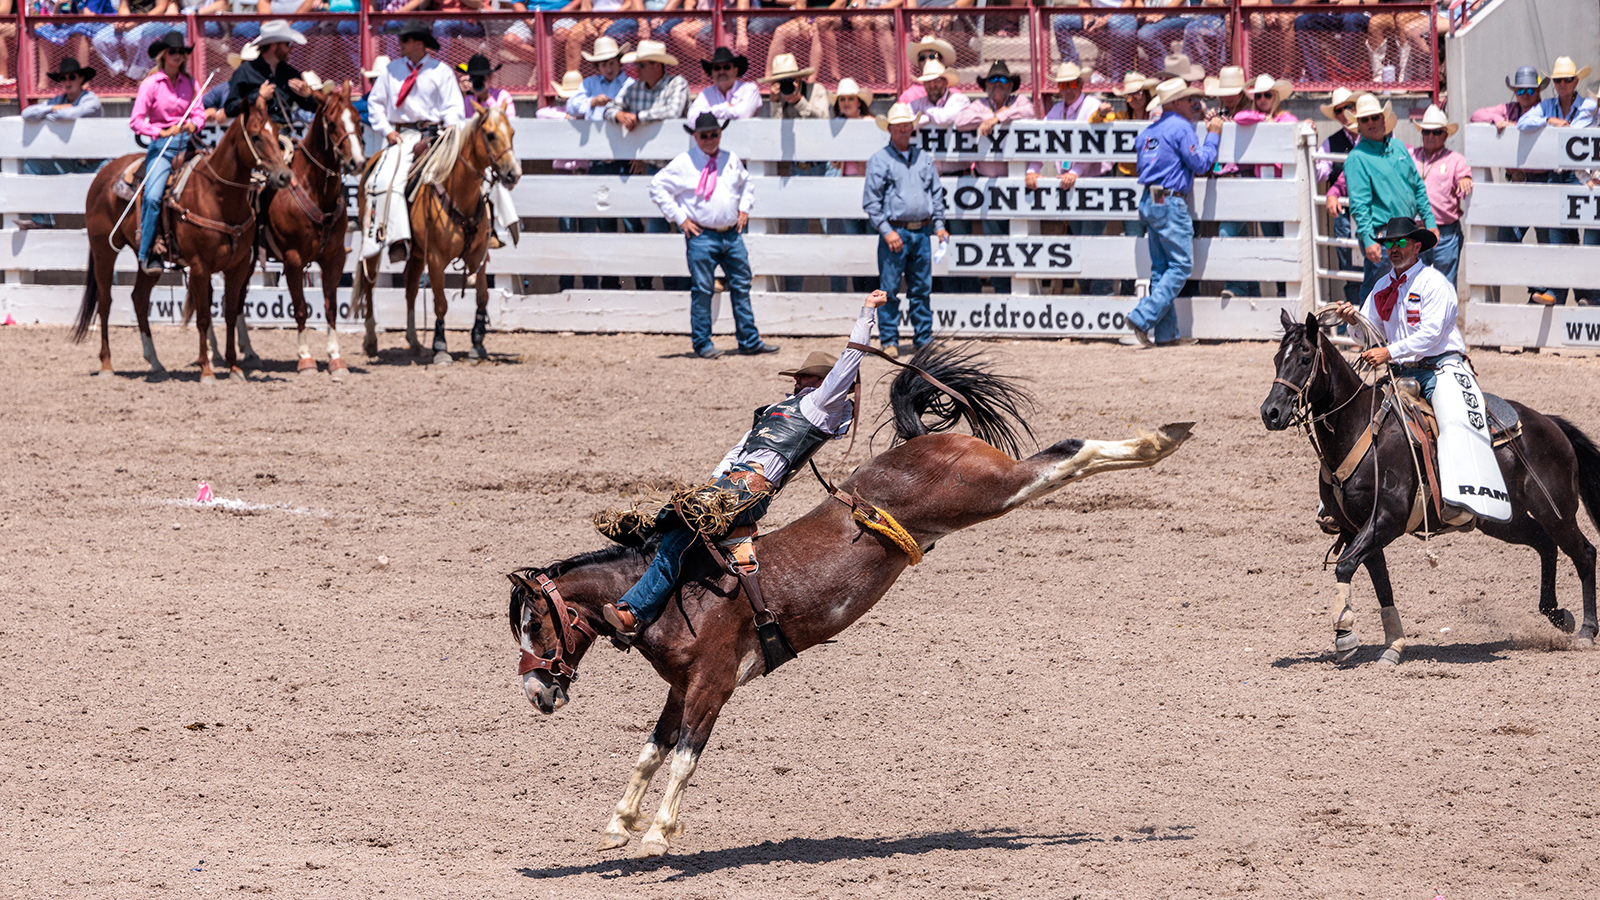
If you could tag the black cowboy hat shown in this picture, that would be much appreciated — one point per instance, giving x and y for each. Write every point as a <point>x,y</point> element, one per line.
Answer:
<point>479,65</point>
<point>705,122</point>
<point>1404,227</point>
<point>724,55</point>
<point>172,40</point>
<point>71,66</point>
<point>420,31</point>
<point>1001,70</point>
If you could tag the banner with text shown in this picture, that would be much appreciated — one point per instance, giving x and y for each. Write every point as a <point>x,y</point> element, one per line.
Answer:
<point>959,315</point>
<point>1030,255</point>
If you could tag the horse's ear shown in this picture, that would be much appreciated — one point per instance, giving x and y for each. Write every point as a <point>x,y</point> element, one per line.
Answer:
<point>1283,316</point>
<point>347,88</point>
<point>1311,327</point>
<point>477,106</point>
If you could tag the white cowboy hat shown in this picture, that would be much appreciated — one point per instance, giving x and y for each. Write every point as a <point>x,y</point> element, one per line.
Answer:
<point>1067,71</point>
<point>934,69</point>
<point>1264,83</point>
<point>249,52</point>
<point>1367,105</point>
<point>849,88</point>
<point>379,64</point>
<point>1178,65</point>
<point>947,53</point>
<point>604,48</point>
<point>1174,89</point>
<point>277,31</point>
<point>784,66</point>
<point>1433,118</point>
<point>1565,68</point>
<point>1133,82</point>
<point>315,82</point>
<point>650,51</point>
<point>1227,83</point>
<point>571,85</point>
<point>898,114</point>
<point>1340,97</point>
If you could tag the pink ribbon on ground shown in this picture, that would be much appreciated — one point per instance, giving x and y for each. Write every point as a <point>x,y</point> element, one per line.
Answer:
<point>708,180</point>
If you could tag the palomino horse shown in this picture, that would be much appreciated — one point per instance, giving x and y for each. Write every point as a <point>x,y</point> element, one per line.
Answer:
<point>449,221</point>
<point>307,223</point>
<point>215,232</point>
<point>1547,468</point>
<point>820,573</point>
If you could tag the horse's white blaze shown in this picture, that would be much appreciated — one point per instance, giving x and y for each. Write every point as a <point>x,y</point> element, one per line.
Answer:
<point>626,816</point>
<point>1104,456</point>
<point>358,156</point>
<point>666,823</point>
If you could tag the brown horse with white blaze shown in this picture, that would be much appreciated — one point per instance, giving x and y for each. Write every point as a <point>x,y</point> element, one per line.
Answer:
<point>214,231</point>
<point>820,573</point>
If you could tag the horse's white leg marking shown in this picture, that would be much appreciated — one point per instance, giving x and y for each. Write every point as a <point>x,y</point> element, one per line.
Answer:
<point>1105,456</point>
<point>1394,635</point>
<point>242,335</point>
<point>626,817</point>
<point>150,354</point>
<point>1345,641</point>
<point>301,347</point>
<point>666,824</point>
<point>333,342</point>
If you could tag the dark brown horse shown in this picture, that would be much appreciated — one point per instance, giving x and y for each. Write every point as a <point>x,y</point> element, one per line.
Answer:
<point>307,223</point>
<point>1548,468</point>
<point>215,232</point>
<point>449,221</point>
<point>819,574</point>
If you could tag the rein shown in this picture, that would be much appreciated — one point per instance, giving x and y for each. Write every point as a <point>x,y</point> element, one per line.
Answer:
<point>566,621</point>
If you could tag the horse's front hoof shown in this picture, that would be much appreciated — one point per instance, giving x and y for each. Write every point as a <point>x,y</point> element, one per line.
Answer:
<point>478,352</point>
<point>306,366</point>
<point>337,369</point>
<point>1345,641</point>
<point>1390,657</point>
<point>612,841</point>
<point>443,358</point>
<point>370,346</point>
<point>1563,619</point>
<point>208,378</point>
<point>652,849</point>
<point>252,361</point>
<point>104,373</point>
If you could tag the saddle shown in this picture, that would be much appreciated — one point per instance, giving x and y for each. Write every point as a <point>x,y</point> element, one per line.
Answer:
<point>128,187</point>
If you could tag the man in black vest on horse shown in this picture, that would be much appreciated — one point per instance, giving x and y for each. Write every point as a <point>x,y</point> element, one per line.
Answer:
<point>270,75</point>
<point>781,440</point>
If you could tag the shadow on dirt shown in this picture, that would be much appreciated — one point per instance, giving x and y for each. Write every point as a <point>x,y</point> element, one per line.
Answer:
<point>1454,654</point>
<point>837,849</point>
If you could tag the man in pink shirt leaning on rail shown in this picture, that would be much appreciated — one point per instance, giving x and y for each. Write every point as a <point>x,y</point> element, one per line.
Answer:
<point>1449,181</point>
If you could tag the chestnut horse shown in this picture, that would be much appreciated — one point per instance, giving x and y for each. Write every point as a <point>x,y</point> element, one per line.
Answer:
<point>820,573</point>
<point>215,232</point>
<point>308,222</point>
<point>1547,468</point>
<point>449,221</point>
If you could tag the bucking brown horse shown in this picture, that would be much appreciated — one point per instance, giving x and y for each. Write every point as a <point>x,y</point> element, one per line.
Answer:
<point>308,222</point>
<point>449,221</point>
<point>820,573</point>
<point>214,231</point>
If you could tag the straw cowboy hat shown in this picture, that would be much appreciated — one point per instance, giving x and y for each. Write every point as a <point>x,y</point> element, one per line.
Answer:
<point>1133,83</point>
<point>1174,89</point>
<point>1264,83</point>
<point>315,82</point>
<point>849,88</point>
<point>571,85</point>
<point>604,48</point>
<point>1367,105</point>
<point>1565,68</point>
<point>784,66</point>
<point>1227,83</point>
<point>1067,72</point>
<point>1341,96</point>
<point>248,52</point>
<point>277,32</point>
<point>722,57</point>
<point>379,64</point>
<point>935,69</point>
<point>1433,118</point>
<point>899,114</point>
<point>1406,227</point>
<point>649,51</point>
<point>1178,65</point>
<point>817,365</point>
<point>418,30</point>
<point>947,53</point>
<point>70,67</point>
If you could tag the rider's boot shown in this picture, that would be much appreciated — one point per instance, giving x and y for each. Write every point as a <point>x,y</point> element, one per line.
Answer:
<point>621,618</point>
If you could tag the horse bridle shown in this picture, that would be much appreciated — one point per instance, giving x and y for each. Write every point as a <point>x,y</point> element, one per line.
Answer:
<point>1302,403</point>
<point>565,619</point>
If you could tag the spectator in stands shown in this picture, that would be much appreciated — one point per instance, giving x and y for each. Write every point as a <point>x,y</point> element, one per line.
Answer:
<point>1410,34</point>
<point>1527,86</point>
<point>999,104</point>
<point>1346,31</point>
<point>1449,181</point>
<point>8,33</point>
<point>793,97</point>
<point>653,97</point>
<point>1228,86</point>
<point>1160,32</point>
<point>78,34</point>
<point>903,200</point>
<point>1272,41</point>
<point>1565,110</point>
<point>1205,37</point>
<point>1074,105</point>
<point>883,28</point>
<point>821,32</point>
<point>519,39</point>
<point>1168,161</point>
<point>123,46</point>
<point>941,102</point>
<point>473,78</point>
<point>921,52</point>
<point>1340,108</point>
<point>1383,184</point>
<point>943,24</point>
<point>694,35</point>
<point>591,29</point>
<point>708,193</point>
<point>599,90</point>
<point>74,102</point>
<point>1266,97</point>
<point>1179,65</point>
<point>849,102</point>
<point>726,97</point>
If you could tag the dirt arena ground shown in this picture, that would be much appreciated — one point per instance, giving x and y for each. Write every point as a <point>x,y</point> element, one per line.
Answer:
<point>1118,693</point>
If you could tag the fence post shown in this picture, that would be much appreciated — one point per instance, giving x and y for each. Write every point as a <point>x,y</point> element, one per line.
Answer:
<point>902,37</point>
<point>1040,51</point>
<point>367,44</point>
<point>542,72</point>
<point>1239,40</point>
<point>1433,50</point>
<point>25,57</point>
<point>197,40</point>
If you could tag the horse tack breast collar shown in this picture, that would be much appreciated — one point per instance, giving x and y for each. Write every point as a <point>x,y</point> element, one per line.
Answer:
<point>566,620</point>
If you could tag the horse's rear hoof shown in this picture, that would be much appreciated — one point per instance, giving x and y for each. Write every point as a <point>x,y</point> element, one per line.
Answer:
<point>208,378</point>
<point>1390,657</point>
<point>443,358</point>
<point>1345,641</point>
<point>610,841</point>
<point>651,849</point>
<point>370,347</point>
<point>478,352</point>
<point>104,373</point>
<point>337,369</point>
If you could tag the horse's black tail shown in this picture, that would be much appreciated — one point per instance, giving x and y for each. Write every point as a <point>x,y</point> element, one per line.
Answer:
<point>1588,466</point>
<point>91,291</point>
<point>994,403</point>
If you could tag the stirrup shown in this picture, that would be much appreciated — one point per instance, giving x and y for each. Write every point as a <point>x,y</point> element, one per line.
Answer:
<point>623,621</point>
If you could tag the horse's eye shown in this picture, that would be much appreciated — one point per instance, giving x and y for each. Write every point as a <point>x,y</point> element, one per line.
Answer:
<point>1306,359</point>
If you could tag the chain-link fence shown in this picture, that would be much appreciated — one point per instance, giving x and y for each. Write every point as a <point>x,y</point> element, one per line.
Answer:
<point>1322,47</point>
<point>332,49</point>
<point>1111,45</point>
<point>117,48</point>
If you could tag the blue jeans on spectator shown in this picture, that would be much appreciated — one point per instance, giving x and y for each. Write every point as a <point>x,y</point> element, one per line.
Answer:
<point>1118,42</point>
<point>1446,255</point>
<point>57,167</point>
<point>915,263</point>
<point>707,250</point>
<point>801,226</point>
<point>1099,287</point>
<point>1371,272</point>
<point>1170,234</point>
<point>1343,228</point>
<point>1205,41</point>
<point>158,165</point>
<point>1238,288</point>
<point>1156,37</point>
<point>1063,27</point>
<point>1350,49</point>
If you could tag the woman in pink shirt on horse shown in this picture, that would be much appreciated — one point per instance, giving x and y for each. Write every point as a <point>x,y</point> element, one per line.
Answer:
<point>165,112</point>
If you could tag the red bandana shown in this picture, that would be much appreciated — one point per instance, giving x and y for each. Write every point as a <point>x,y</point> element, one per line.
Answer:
<point>1385,299</point>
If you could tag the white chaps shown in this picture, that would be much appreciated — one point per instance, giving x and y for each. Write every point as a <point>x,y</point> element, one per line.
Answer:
<point>1469,475</point>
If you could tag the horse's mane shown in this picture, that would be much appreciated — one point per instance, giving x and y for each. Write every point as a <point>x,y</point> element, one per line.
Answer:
<point>603,556</point>
<point>995,403</point>
<point>446,148</point>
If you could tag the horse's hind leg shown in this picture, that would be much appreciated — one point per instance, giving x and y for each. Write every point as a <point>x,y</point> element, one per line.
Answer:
<point>480,321</point>
<point>1569,537</point>
<point>702,703</point>
<point>1540,540</point>
<point>1394,636</point>
<point>362,297</point>
<point>626,818</point>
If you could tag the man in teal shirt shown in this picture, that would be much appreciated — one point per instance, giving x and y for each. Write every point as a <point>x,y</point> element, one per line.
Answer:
<point>1383,184</point>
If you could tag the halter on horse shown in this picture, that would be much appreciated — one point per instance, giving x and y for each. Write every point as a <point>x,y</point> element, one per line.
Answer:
<point>213,231</point>
<point>820,573</point>
<point>449,222</point>
<point>1548,468</point>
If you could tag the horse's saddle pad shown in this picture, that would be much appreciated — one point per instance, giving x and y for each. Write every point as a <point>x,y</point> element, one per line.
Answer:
<point>127,184</point>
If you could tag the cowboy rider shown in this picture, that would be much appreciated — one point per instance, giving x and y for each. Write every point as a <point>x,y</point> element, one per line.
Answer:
<point>270,75</point>
<point>1413,308</point>
<point>783,437</point>
<point>411,100</point>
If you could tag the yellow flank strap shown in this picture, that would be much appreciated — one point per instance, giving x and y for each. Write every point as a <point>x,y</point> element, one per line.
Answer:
<point>884,524</point>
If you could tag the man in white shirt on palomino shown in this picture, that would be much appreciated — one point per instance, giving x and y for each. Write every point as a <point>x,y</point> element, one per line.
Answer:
<point>1413,306</point>
<point>411,100</point>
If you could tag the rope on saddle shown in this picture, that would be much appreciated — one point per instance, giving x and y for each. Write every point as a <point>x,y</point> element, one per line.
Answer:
<point>879,520</point>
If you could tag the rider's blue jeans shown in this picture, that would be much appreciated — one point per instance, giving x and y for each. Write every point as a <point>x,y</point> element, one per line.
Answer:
<point>158,165</point>
<point>651,592</point>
